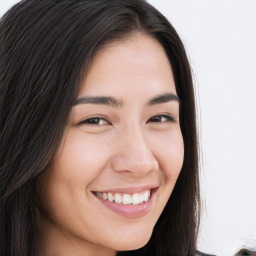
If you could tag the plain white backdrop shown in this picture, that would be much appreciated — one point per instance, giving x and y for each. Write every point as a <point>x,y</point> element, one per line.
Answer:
<point>220,38</point>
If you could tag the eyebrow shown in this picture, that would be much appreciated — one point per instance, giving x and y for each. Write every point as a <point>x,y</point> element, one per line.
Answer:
<point>117,103</point>
<point>100,100</point>
<point>163,98</point>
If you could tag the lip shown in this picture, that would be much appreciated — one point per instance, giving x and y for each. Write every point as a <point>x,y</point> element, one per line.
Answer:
<point>129,190</point>
<point>129,211</point>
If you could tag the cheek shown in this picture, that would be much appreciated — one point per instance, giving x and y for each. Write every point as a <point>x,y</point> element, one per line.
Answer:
<point>176,151</point>
<point>81,157</point>
<point>170,151</point>
<point>76,166</point>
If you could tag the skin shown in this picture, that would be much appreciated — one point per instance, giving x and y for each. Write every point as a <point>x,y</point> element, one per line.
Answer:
<point>130,145</point>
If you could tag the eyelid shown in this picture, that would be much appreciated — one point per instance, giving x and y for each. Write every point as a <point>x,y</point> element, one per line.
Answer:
<point>90,119</point>
<point>90,122</point>
<point>169,118</point>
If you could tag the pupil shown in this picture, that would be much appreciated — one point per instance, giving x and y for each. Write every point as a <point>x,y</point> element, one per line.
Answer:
<point>156,119</point>
<point>94,120</point>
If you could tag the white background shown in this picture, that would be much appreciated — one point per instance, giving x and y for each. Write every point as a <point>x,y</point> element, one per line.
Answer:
<point>220,38</point>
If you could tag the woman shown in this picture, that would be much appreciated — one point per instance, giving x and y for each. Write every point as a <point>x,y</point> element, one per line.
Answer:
<point>98,131</point>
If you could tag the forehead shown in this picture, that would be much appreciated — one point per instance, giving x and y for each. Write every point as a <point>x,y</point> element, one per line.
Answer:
<point>138,62</point>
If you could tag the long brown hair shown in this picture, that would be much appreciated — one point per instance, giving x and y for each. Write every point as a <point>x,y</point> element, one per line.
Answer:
<point>45,49</point>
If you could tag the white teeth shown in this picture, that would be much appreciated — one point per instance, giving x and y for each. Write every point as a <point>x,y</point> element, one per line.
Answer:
<point>136,198</point>
<point>110,197</point>
<point>118,198</point>
<point>105,196</point>
<point>146,196</point>
<point>127,199</point>
<point>141,198</point>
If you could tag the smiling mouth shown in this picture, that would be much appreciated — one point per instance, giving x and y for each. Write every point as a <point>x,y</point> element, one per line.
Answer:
<point>125,199</point>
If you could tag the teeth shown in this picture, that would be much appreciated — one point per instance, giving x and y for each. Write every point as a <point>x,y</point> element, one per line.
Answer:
<point>110,197</point>
<point>137,198</point>
<point>127,199</point>
<point>99,194</point>
<point>141,198</point>
<point>146,196</point>
<point>105,196</point>
<point>118,198</point>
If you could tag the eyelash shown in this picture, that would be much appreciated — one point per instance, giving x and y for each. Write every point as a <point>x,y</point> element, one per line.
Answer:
<point>94,121</point>
<point>168,118</point>
<point>99,120</point>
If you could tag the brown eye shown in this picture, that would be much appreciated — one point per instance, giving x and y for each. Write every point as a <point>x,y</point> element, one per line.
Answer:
<point>161,119</point>
<point>95,121</point>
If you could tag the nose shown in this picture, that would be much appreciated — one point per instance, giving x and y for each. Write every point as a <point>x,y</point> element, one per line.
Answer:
<point>133,154</point>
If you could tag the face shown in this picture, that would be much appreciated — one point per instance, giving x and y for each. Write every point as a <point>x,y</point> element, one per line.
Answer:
<point>121,154</point>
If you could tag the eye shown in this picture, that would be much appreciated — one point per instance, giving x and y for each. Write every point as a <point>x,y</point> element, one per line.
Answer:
<point>97,121</point>
<point>161,119</point>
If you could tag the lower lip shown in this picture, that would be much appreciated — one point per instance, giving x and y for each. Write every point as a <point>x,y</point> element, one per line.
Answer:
<point>129,210</point>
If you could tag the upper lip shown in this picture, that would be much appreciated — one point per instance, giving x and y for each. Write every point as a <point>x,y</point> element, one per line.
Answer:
<point>128,190</point>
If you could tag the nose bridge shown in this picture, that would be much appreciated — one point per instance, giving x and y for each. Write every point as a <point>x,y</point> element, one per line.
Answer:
<point>133,152</point>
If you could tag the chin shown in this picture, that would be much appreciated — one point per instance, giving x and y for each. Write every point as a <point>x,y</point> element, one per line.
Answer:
<point>131,243</point>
